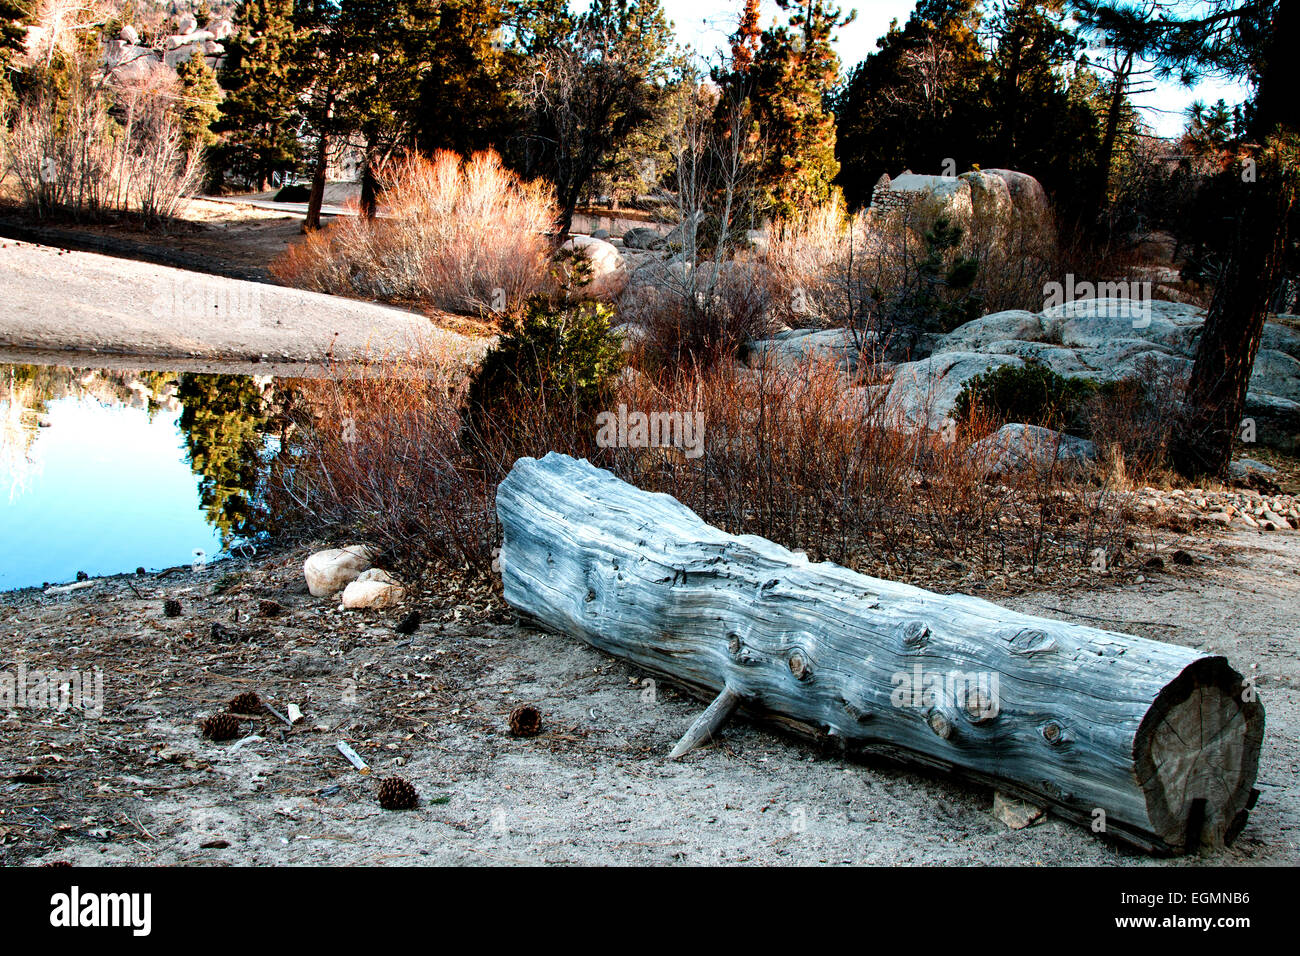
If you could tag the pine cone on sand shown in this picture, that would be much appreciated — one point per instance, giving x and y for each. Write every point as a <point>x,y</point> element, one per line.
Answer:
<point>221,727</point>
<point>171,608</point>
<point>397,794</point>
<point>246,703</point>
<point>525,721</point>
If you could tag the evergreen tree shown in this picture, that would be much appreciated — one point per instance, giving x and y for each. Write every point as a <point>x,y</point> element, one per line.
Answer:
<point>259,114</point>
<point>200,102</point>
<point>917,102</point>
<point>1254,39</point>
<point>795,71</point>
<point>464,98</point>
<point>13,14</point>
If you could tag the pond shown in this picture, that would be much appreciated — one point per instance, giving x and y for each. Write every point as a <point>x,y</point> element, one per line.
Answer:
<point>106,470</point>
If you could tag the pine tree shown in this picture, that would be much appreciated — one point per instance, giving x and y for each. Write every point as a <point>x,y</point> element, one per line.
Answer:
<point>795,72</point>
<point>200,102</point>
<point>917,102</point>
<point>464,95</point>
<point>13,14</point>
<point>1257,40</point>
<point>259,114</point>
<point>748,38</point>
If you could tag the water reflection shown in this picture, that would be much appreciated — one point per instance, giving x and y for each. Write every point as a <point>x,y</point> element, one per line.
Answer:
<point>103,470</point>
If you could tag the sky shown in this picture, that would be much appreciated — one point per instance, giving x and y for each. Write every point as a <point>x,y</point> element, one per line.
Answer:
<point>706,24</point>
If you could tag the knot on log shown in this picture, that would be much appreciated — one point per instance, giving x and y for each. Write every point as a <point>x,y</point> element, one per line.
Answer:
<point>799,666</point>
<point>914,634</point>
<point>1028,641</point>
<point>1055,734</point>
<point>940,724</point>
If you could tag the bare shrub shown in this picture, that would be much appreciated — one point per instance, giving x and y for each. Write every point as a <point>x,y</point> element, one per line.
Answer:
<point>792,455</point>
<point>892,269</point>
<point>1133,421</point>
<point>703,326</point>
<point>701,306</point>
<point>377,452</point>
<point>96,149</point>
<point>467,236</point>
<point>787,453</point>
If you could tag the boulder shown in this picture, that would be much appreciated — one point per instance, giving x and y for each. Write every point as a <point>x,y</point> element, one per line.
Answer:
<point>1011,325</point>
<point>609,272</point>
<point>796,346</point>
<point>328,572</point>
<point>995,208</point>
<point>642,237</point>
<point>923,394</point>
<point>375,588</point>
<point>1016,447</point>
<point>1276,373</point>
<point>1090,323</point>
<point>1246,467</point>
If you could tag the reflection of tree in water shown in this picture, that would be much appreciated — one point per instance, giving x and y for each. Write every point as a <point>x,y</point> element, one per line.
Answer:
<point>225,422</point>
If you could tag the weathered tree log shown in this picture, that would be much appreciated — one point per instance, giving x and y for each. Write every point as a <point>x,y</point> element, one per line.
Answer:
<point>1154,743</point>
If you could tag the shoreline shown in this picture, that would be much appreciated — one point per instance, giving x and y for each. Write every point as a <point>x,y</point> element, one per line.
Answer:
<point>68,305</point>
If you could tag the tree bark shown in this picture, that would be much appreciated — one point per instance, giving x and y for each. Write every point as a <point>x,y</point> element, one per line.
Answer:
<point>369,184</point>
<point>1234,324</point>
<point>317,198</point>
<point>1225,356</point>
<point>1159,742</point>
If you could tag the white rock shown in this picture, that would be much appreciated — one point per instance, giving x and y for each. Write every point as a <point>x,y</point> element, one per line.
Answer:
<point>373,589</point>
<point>328,572</point>
<point>609,272</point>
<point>1013,447</point>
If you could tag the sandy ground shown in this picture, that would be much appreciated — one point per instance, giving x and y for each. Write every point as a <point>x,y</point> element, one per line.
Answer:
<point>214,235</point>
<point>57,301</point>
<point>140,786</point>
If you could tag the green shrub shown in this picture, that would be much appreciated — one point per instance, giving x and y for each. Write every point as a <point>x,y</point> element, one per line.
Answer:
<point>1029,394</point>
<point>561,360</point>
<point>294,192</point>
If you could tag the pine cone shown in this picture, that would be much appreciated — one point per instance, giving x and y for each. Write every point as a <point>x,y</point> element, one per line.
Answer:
<point>397,794</point>
<point>171,608</point>
<point>269,608</point>
<point>221,727</point>
<point>409,624</point>
<point>246,703</point>
<point>525,721</point>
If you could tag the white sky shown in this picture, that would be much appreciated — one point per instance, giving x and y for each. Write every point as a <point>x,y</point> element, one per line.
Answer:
<point>706,24</point>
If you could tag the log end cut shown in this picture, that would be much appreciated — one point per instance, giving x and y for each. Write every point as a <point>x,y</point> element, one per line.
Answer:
<point>1196,754</point>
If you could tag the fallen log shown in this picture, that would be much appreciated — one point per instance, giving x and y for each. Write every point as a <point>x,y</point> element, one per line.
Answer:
<point>1153,743</point>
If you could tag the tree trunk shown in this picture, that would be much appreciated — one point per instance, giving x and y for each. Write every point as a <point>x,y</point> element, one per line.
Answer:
<point>1225,356</point>
<point>317,198</point>
<point>1105,158</point>
<point>1157,743</point>
<point>369,184</point>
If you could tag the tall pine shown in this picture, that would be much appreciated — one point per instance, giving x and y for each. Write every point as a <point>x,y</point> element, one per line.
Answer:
<point>259,115</point>
<point>795,70</point>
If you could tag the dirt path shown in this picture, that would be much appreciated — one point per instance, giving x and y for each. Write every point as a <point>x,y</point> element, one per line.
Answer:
<point>141,786</point>
<point>59,302</point>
